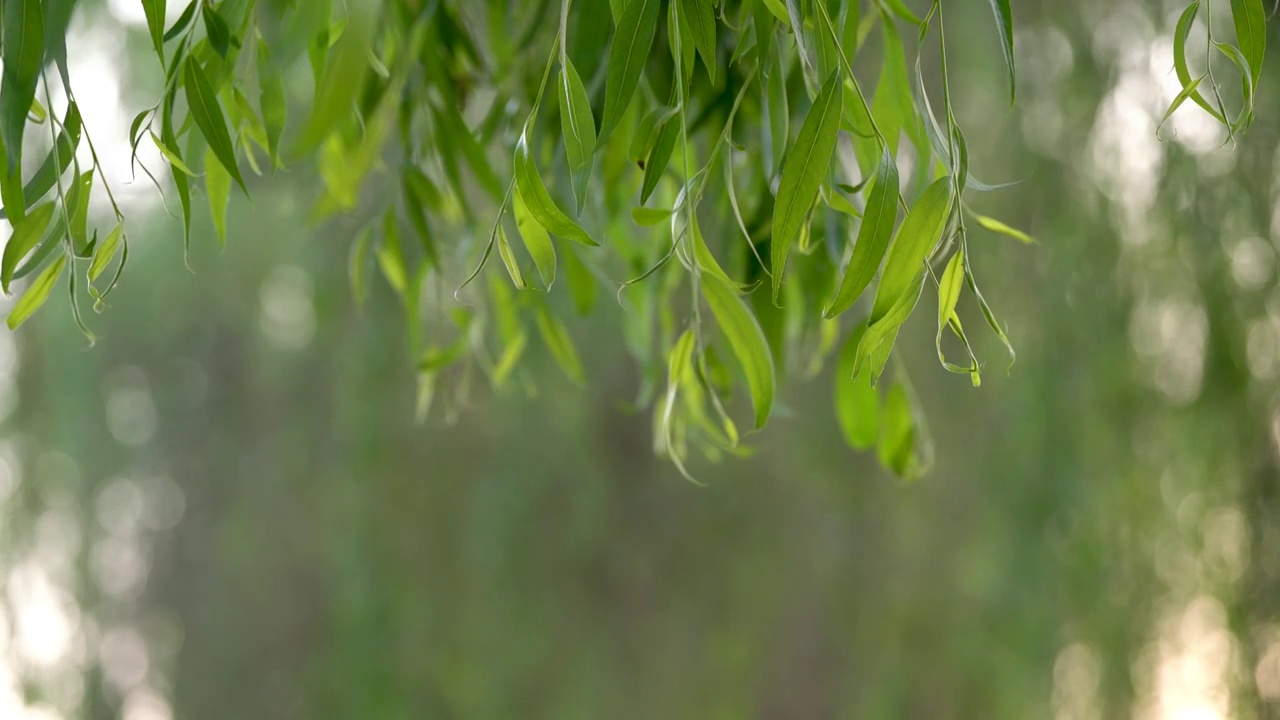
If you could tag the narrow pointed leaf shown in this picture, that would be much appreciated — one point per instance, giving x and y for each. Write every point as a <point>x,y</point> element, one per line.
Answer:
<point>536,241</point>
<point>1004,24</point>
<point>1251,33</point>
<point>878,220</point>
<point>202,102</point>
<point>631,45</point>
<point>36,294</point>
<point>539,202</point>
<point>27,233</point>
<point>23,55</point>
<point>579,128</point>
<point>217,182</point>
<point>747,341</point>
<point>802,174</point>
<point>919,232</point>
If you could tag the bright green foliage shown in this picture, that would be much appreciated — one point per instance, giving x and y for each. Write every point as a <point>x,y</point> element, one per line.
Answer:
<point>517,125</point>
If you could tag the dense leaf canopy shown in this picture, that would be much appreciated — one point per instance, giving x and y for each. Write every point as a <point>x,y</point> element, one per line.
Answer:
<point>761,183</point>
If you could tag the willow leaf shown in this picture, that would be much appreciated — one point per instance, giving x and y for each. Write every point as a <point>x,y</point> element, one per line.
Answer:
<point>560,344</point>
<point>539,202</point>
<point>23,55</point>
<point>919,232</point>
<point>217,183</point>
<point>105,252</point>
<point>857,402</point>
<point>155,10</point>
<point>997,226</point>
<point>36,294</point>
<point>879,218</point>
<point>802,174</point>
<point>536,241</point>
<point>700,17</point>
<point>202,102</point>
<point>1251,33</point>
<point>1180,35</point>
<point>579,129</point>
<point>272,101</point>
<point>747,341</point>
<point>509,260</point>
<point>631,45</point>
<point>27,233</point>
<point>1004,23</point>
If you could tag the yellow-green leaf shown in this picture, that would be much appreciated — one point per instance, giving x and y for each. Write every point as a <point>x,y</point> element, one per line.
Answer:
<point>536,241</point>
<point>539,202</point>
<point>747,341</point>
<point>878,220</point>
<point>36,294</point>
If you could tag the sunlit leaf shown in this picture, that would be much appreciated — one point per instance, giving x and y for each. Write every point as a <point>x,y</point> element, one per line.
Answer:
<point>27,233</point>
<point>36,295</point>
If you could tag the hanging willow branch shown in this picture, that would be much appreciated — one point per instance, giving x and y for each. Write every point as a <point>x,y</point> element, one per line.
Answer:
<point>602,140</point>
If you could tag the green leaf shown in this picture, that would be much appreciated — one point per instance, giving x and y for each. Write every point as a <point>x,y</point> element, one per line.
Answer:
<point>536,241</point>
<point>217,184</point>
<point>539,202</point>
<point>1004,23</point>
<point>582,286</point>
<point>180,180</point>
<point>747,341</point>
<point>900,9</point>
<point>78,202</point>
<point>778,9</point>
<point>105,252</point>
<point>996,226</point>
<point>23,55</point>
<point>919,232</point>
<point>631,45</point>
<point>879,218</point>
<point>356,264</point>
<point>648,217</point>
<point>171,154</point>
<point>391,257</point>
<point>857,402</point>
<point>896,444</point>
<point>271,99</point>
<point>509,260</point>
<point>155,10</point>
<point>558,341</point>
<point>342,78</point>
<point>700,17</point>
<point>27,233</point>
<point>203,105</point>
<point>949,289</point>
<point>1189,86</point>
<point>579,129</point>
<point>656,164</point>
<point>806,166</point>
<point>1251,33</point>
<point>216,29</point>
<point>707,263</point>
<point>36,294</point>
<point>179,25</point>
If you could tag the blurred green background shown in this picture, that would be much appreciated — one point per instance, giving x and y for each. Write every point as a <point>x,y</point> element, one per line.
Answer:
<point>226,510</point>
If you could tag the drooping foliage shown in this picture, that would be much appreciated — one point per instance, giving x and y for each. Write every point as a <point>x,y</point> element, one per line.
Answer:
<point>760,183</point>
